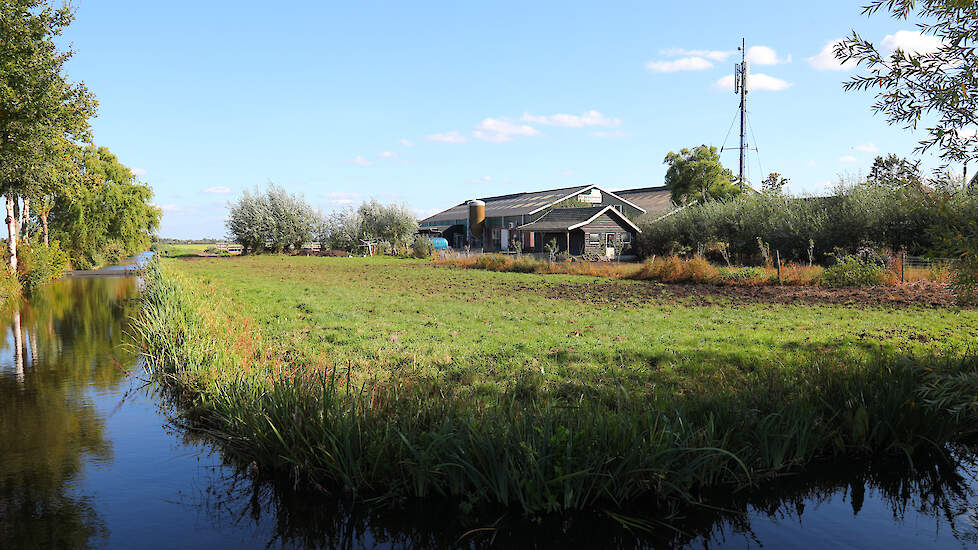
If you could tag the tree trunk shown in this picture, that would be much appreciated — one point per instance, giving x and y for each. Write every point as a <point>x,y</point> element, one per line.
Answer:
<point>11,233</point>
<point>26,220</point>
<point>44,225</point>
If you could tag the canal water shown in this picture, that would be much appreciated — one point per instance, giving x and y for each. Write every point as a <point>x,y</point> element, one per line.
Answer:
<point>90,458</point>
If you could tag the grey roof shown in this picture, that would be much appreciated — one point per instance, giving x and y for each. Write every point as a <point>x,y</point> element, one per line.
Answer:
<point>655,200</point>
<point>565,219</point>
<point>509,205</point>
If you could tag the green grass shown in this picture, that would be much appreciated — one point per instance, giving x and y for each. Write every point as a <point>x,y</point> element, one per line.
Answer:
<point>398,378</point>
<point>181,250</point>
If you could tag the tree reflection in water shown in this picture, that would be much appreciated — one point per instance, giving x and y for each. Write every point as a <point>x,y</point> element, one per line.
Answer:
<point>62,343</point>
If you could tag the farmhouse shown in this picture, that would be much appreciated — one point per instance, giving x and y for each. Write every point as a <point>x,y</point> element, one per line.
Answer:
<point>582,219</point>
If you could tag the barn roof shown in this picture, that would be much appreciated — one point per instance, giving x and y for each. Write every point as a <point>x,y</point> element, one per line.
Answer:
<point>654,200</point>
<point>516,204</point>
<point>566,219</point>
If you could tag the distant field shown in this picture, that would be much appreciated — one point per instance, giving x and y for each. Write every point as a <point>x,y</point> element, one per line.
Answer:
<point>178,250</point>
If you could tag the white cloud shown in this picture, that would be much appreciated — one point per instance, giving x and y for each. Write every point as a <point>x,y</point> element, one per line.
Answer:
<point>406,142</point>
<point>218,190</point>
<point>847,159</point>
<point>681,64</point>
<point>762,55</point>
<point>756,81</point>
<point>715,55</point>
<point>138,172</point>
<point>567,172</point>
<point>170,207</point>
<point>359,161</point>
<point>589,118</point>
<point>810,164</point>
<point>483,179</point>
<point>447,137</point>
<point>610,134</point>
<point>911,42</point>
<point>499,130</point>
<point>825,60</point>
<point>387,155</point>
<point>867,148</point>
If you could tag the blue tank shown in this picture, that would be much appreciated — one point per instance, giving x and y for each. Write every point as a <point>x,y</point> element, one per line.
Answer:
<point>440,243</point>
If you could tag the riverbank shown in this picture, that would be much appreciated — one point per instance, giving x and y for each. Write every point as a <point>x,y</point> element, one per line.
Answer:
<point>393,378</point>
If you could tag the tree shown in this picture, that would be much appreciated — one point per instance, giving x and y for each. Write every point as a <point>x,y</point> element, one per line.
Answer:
<point>937,87</point>
<point>933,86</point>
<point>38,105</point>
<point>697,175</point>
<point>394,223</point>
<point>894,171</point>
<point>774,184</point>
<point>275,218</point>
<point>99,211</point>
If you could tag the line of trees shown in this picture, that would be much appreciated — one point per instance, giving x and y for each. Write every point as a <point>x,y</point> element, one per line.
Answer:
<point>54,183</point>
<point>278,221</point>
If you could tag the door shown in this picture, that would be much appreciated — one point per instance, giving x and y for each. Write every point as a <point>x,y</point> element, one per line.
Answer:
<point>504,239</point>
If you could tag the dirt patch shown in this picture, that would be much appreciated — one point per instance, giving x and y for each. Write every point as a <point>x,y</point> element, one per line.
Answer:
<point>919,294</point>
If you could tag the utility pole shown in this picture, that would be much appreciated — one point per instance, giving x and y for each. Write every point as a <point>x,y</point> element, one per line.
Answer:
<point>741,71</point>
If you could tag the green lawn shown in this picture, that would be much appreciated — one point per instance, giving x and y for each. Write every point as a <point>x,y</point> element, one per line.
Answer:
<point>478,329</point>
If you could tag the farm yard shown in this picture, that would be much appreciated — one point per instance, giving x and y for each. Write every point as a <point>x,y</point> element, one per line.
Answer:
<point>343,372</point>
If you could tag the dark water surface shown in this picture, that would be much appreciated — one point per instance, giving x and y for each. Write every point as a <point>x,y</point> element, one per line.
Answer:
<point>88,458</point>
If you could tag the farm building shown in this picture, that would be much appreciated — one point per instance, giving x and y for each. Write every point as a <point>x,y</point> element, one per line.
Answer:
<point>582,219</point>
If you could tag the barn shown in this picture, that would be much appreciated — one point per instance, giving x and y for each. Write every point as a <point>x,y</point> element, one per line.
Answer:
<point>535,218</point>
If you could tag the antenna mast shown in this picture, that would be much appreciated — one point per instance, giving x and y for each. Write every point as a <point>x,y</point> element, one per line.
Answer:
<point>741,70</point>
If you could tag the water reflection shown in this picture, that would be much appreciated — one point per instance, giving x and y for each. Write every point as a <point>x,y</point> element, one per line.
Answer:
<point>57,347</point>
<point>867,505</point>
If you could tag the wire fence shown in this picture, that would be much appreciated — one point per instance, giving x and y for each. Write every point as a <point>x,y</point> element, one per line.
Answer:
<point>918,268</point>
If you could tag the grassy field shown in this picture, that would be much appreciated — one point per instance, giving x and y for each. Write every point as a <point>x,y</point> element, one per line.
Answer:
<point>179,250</point>
<point>399,378</point>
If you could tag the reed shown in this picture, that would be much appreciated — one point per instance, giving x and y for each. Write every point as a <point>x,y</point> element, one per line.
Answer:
<point>400,434</point>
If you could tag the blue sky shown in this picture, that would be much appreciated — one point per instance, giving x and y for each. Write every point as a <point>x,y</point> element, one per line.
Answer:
<point>433,103</point>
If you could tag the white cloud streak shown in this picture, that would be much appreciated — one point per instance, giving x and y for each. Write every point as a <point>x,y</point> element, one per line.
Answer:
<point>499,130</point>
<point>218,190</point>
<point>714,55</point>
<point>681,64</point>
<point>847,159</point>
<point>406,142</point>
<point>387,155</point>
<point>447,137</point>
<point>589,118</point>
<point>867,148</point>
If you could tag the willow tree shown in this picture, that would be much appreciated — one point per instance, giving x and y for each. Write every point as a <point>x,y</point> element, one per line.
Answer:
<point>38,105</point>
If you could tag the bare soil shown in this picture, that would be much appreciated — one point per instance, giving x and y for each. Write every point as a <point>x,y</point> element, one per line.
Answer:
<point>918,294</point>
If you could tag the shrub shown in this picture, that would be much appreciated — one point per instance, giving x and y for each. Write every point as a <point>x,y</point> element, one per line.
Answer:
<point>856,271</point>
<point>39,264</point>
<point>804,228</point>
<point>527,265</point>
<point>491,262</point>
<point>743,275</point>
<point>422,247</point>
<point>673,269</point>
<point>114,252</point>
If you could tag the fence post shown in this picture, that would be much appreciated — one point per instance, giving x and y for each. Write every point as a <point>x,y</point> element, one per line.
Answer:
<point>778,254</point>
<point>903,263</point>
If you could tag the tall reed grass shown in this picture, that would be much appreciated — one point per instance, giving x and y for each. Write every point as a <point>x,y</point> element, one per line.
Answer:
<point>344,430</point>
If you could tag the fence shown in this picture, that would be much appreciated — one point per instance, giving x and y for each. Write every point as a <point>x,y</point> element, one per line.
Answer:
<point>916,268</point>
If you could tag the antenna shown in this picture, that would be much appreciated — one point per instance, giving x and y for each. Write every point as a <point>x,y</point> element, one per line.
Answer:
<point>741,70</point>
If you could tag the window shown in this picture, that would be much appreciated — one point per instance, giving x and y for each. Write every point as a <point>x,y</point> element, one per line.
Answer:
<point>626,238</point>
<point>594,238</point>
<point>617,207</point>
<point>609,239</point>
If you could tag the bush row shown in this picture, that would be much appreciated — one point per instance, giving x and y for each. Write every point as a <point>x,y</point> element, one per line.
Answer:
<point>809,229</point>
<point>849,271</point>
